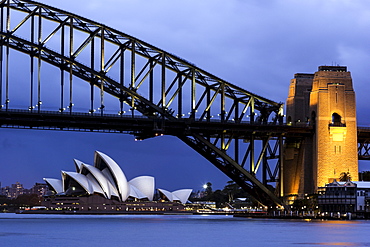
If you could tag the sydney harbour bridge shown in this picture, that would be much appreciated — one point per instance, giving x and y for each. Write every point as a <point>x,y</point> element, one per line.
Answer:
<point>60,71</point>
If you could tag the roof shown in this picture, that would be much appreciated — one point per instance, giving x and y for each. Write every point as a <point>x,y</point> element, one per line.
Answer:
<point>117,174</point>
<point>145,184</point>
<point>360,184</point>
<point>82,180</point>
<point>55,184</point>
<point>104,183</point>
<point>105,177</point>
<point>177,195</point>
<point>363,184</point>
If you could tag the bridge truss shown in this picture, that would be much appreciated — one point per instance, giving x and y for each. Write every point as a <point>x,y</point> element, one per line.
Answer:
<point>62,71</point>
<point>363,139</point>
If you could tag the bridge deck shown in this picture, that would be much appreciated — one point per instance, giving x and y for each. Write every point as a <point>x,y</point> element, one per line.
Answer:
<point>140,124</point>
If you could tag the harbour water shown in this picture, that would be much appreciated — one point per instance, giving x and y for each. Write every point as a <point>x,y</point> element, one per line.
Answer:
<point>177,230</point>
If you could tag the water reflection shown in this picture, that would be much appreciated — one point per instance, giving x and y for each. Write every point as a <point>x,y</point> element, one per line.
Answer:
<point>337,244</point>
<point>177,230</point>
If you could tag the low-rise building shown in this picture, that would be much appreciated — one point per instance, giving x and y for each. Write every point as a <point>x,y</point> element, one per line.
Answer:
<point>345,197</point>
<point>98,203</point>
<point>363,198</point>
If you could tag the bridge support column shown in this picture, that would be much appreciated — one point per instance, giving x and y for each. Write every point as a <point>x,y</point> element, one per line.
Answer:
<point>332,102</point>
<point>326,102</point>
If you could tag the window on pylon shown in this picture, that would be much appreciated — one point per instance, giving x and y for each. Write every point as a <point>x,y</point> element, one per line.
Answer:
<point>336,119</point>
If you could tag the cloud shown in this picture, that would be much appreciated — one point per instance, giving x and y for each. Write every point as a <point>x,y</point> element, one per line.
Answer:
<point>257,45</point>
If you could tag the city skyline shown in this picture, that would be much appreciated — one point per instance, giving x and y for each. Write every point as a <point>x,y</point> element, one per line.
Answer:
<point>257,46</point>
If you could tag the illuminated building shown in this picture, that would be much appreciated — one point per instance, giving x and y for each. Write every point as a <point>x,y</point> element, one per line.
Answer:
<point>325,101</point>
<point>13,191</point>
<point>345,197</point>
<point>39,189</point>
<point>104,187</point>
<point>337,197</point>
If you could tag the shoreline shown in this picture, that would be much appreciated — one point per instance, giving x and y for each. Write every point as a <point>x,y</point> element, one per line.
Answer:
<point>234,214</point>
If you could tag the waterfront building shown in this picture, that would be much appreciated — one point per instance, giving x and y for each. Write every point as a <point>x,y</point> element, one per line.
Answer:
<point>104,186</point>
<point>363,197</point>
<point>345,197</point>
<point>337,197</point>
<point>97,203</point>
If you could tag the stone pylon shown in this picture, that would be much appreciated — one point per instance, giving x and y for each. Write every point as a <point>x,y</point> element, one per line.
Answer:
<point>325,101</point>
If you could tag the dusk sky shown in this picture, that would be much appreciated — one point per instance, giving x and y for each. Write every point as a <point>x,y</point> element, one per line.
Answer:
<point>256,45</point>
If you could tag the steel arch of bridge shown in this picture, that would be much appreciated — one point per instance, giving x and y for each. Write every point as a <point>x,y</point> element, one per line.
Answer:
<point>164,93</point>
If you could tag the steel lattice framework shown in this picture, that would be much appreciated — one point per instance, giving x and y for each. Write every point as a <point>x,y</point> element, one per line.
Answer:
<point>363,139</point>
<point>154,93</point>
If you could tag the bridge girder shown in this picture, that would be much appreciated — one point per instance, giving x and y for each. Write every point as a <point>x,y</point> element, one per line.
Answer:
<point>154,84</point>
<point>363,139</point>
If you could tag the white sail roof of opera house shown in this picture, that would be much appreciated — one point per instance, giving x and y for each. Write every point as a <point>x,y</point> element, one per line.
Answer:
<point>106,178</point>
<point>136,193</point>
<point>145,184</point>
<point>182,195</point>
<point>107,165</point>
<point>105,184</point>
<point>89,185</point>
<point>78,165</point>
<point>56,184</point>
<point>177,195</point>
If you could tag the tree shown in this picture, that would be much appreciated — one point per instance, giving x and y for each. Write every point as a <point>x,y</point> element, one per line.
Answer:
<point>218,197</point>
<point>345,176</point>
<point>208,188</point>
<point>27,200</point>
<point>231,189</point>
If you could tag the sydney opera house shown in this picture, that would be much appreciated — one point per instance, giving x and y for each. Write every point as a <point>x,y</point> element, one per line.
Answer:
<point>104,187</point>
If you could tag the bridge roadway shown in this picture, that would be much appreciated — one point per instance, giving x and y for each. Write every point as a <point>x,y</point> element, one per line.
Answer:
<point>142,127</point>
